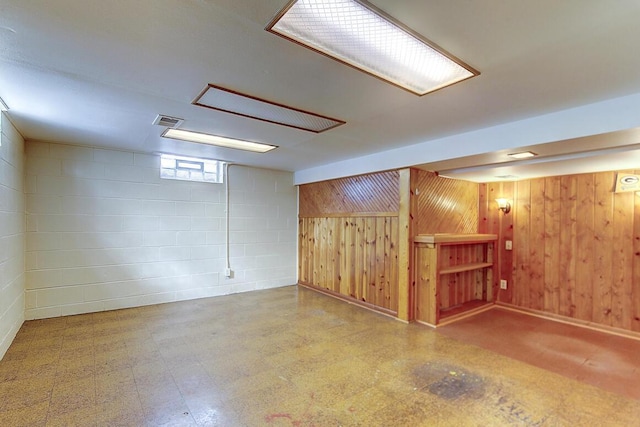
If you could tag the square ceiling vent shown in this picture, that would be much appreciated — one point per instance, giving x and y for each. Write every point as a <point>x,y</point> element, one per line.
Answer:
<point>168,121</point>
<point>229,101</point>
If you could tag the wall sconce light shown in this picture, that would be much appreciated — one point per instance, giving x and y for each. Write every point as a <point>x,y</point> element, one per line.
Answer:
<point>504,205</point>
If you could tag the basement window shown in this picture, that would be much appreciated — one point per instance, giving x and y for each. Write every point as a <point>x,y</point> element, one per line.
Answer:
<point>191,169</point>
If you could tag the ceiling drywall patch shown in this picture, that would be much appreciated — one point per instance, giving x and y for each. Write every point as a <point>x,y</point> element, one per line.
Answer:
<point>230,101</point>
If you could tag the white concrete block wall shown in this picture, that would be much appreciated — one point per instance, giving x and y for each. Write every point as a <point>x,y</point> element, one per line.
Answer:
<point>12,227</point>
<point>105,232</point>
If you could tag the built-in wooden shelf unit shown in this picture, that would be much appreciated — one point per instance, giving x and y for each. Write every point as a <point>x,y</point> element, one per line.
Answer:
<point>453,275</point>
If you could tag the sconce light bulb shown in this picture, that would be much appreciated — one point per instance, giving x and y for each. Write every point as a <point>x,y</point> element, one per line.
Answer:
<point>504,205</point>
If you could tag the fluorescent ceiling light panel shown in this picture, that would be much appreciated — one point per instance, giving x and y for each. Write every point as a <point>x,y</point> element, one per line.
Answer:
<point>360,35</point>
<point>220,141</point>
<point>522,155</point>
<point>229,101</point>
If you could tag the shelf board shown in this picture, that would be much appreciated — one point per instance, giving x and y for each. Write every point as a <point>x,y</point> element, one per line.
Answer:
<point>460,239</point>
<point>465,267</point>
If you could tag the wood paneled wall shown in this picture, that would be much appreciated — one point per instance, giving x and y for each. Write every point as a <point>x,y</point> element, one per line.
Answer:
<point>576,247</point>
<point>355,234</point>
<point>348,238</point>
<point>376,193</point>
<point>445,205</point>
<point>355,257</point>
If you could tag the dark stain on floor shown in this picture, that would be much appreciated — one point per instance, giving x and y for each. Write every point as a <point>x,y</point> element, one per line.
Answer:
<point>448,381</point>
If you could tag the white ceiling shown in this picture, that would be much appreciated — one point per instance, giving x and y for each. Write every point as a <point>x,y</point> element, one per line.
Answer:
<point>98,72</point>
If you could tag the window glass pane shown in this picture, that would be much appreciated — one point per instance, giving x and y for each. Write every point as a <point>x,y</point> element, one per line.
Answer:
<point>191,169</point>
<point>167,162</point>
<point>211,167</point>
<point>189,165</point>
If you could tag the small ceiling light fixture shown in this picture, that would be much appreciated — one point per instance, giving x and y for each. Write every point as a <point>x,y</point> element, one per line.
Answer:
<point>364,37</point>
<point>220,141</point>
<point>504,205</point>
<point>522,155</point>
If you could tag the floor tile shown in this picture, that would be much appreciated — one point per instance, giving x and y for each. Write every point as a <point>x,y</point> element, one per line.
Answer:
<point>293,357</point>
<point>30,416</point>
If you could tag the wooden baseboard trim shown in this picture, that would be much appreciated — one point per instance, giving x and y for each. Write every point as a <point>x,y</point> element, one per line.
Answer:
<point>353,301</point>
<point>472,312</point>
<point>570,321</point>
<point>486,307</point>
<point>422,322</point>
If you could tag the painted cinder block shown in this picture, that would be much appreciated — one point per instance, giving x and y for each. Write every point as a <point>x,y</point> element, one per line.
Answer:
<point>108,229</point>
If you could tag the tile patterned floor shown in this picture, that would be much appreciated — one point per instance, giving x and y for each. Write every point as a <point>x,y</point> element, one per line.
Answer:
<point>282,357</point>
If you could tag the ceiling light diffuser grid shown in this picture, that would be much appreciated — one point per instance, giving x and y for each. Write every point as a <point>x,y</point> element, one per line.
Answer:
<point>364,37</point>
<point>221,99</point>
<point>217,140</point>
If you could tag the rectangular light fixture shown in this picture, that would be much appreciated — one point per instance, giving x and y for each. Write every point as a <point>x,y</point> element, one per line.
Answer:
<point>522,155</point>
<point>360,35</point>
<point>230,101</point>
<point>220,141</point>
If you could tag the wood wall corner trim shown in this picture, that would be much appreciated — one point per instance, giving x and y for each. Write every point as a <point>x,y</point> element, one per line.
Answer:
<point>405,288</point>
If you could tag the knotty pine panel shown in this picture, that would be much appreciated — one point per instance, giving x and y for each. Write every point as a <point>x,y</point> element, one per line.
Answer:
<point>459,288</point>
<point>494,222</point>
<point>551,224</point>
<point>576,247</point>
<point>445,205</point>
<point>356,258</point>
<point>365,194</point>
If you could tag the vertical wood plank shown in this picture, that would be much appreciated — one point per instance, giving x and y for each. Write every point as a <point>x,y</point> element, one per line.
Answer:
<point>603,238</point>
<point>489,295</point>
<point>370,290</point>
<point>387,263</point>
<point>480,290</point>
<point>364,281</point>
<point>622,261</point>
<point>552,203</point>
<point>568,245</point>
<point>427,305</point>
<point>380,258</point>
<point>351,267</point>
<point>393,274</point>
<point>360,264</point>
<point>302,254</point>
<point>448,257</point>
<point>406,206</point>
<point>483,208</point>
<point>311,230</point>
<point>324,253</point>
<point>503,257</point>
<point>537,244</point>
<point>332,255</point>
<point>521,212</point>
<point>585,246</point>
<point>345,255</point>
<point>635,293</point>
